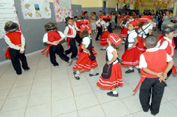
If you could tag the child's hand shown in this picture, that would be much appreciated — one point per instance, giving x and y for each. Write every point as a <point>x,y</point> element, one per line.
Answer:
<point>89,53</point>
<point>21,52</point>
<point>55,43</point>
<point>129,48</point>
<point>165,75</point>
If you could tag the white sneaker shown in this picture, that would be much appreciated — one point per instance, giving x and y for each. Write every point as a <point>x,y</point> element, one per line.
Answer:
<point>70,62</point>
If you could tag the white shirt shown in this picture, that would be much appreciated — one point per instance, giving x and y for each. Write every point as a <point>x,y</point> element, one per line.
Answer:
<point>67,29</point>
<point>16,47</point>
<point>164,44</point>
<point>109,51</point>
<point>45,37</point>
<point>100,23</point>
<point>131,37</point>
<point>75,25</point>
<point>86,42</point>
<point>150,26</point>
<point>143,63</point>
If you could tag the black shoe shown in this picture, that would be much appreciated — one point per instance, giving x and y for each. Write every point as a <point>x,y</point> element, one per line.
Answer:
<point>27,69</point>
<point>19,73</point>
<point>111,94</point>
<point>96,39</point>
<point>76,77</point>
<point>129,71</point>
<point>56,65</point>
<point>103,49</point>
<point>139,71</point>
<point>93,74</point>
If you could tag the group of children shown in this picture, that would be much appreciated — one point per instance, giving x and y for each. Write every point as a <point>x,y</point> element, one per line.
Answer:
<point>152,57</point>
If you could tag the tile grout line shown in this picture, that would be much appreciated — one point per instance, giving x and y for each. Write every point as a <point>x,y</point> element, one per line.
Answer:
<point>31,87</point>
<point>72,90</point>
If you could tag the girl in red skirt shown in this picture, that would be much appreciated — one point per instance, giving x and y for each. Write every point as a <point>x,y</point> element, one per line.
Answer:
<point>123,33</point>
<point>104,36</point>
<point>145,29</point>
<point>132,54</point>
<point>86,60</point>
<point>115,78</point>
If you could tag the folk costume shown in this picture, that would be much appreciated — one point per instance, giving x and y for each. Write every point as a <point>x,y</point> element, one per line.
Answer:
<point>111,76</point>
<point>53,36</point>
<point>100,25</point>
<point>16,44</point>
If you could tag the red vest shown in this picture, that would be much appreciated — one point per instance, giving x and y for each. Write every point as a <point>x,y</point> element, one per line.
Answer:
<point>53,36</point>
<point>156,61</point>
<point>70,31</point>
<point>170,48</point>
<point>15,37</point>
<point>78,23</point>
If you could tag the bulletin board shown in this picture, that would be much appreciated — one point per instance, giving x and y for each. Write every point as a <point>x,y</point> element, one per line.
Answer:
<point>36,9</point>
<point>7,13</point>
<point>62,9</point>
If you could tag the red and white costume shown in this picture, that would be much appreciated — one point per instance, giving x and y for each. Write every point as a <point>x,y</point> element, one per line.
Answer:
<point>115,79</point>
<point>100,23</point>
<point>70,33</point>
<point>84,62</point>
<point>131,56</point>
<point>104,36</point>
<point>142,35</point>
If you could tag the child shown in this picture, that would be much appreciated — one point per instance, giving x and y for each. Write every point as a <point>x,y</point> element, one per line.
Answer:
<point>155,64</point>
<point>86,60</point>
<point>115,78</point>
<point>167,42</point>
<point>93,22</point>
<point>54,38</point>
<point>104,36</point>
<point>123,33</point>
<point>70,33</point>
<point>76,25</point>
<point>132,53</point>
<point>145,29</point>
<point>16,50</point>
<point>100,27</point>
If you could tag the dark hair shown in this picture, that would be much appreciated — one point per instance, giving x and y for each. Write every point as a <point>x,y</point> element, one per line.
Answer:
<point>85,12</point>
<point>100,11</point>
<point>50,26</point>
<point>141,24</point>
<point>84,34</point>
<point>114,46</point>
<point>75,17</point>
<point>67,19</point>
<point>151,41</point>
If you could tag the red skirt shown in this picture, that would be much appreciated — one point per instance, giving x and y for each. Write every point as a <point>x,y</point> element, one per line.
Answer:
<point>123,33</point>
<point>115,79</point>
<point>84,62</point>
<point>131,57</point>
<point>103,40</point>
<point>140,44</point>
<point>79,50</point>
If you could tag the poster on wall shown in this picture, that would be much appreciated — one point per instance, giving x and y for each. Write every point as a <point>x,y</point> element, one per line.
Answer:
<point>63,9</point>
<point>36,9</point>
<point>7,13</point>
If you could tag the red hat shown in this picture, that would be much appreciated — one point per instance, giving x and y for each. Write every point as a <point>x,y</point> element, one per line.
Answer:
<point>85,21</point>
<point>85,27</point>
<point>114,38</point>
<point>134,23</point>
<point>151,17</point>
<point>105,17</point>
<point>144,18</point>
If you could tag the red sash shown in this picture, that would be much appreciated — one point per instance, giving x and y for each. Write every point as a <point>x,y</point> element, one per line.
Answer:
<point>47,49</point>
<point>174,70</point>
<point>7,54</point>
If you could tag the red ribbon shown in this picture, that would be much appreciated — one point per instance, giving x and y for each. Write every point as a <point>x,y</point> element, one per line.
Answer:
<point>174,70</point>
<point>140,82</point>
<point>68,41</point>
<point>7,54</point>
<point>47,49</point>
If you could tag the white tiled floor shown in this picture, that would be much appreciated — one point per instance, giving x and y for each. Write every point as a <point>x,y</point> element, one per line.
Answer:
<point>47,91</point>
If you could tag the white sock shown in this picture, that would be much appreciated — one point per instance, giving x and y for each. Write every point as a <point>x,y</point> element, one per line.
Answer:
<point>130,68</point>
<point>77,72</point>
<point>137,66</point>
<point>92,71</point>
<point>115,92</point>
<point>104,47</point>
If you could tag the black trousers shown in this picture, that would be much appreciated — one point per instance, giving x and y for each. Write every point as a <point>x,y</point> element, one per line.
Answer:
<point>57,50</point>
<point>72,48</point>
<point>78,39</point>
<point>151,87</point>
<point>99,33</point>
<point>16,57</point>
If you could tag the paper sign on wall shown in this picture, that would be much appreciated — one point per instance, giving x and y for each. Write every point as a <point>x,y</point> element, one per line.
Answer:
<point>36,9</point>
<point>7,13</point>
<point>62,9</point>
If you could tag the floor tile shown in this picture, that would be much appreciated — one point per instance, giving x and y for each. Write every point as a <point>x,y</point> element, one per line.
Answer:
<point>4,93</point>
<point>72,114</point>
<point>19,91</point>
<point>86,100</point>
<point>41,87</point>
<point>95,111</point>
<point>39,98</point>
<point>16,113</point>
<point>39,111</point>
<point>15,104</point>
<point>81,89</point>
<point>166,109</point>
<point>63,107</point>
<point>115,109</point>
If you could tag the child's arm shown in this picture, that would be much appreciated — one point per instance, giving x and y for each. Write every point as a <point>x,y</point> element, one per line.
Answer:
<point>169,66</point>
<point>22,49</point>
<point>134,44</point>
<point>152,72</point>
<point>83,47</point>
<point>115,56</point>
<point>150,32</point>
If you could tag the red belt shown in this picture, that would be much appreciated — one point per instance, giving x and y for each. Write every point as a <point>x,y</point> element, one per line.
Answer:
<point>69,40</point>
<point>140,82</point>
<point>47,49</point>
<point>7,54</point>
<point>174,70</point>
<point>99,26</point>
